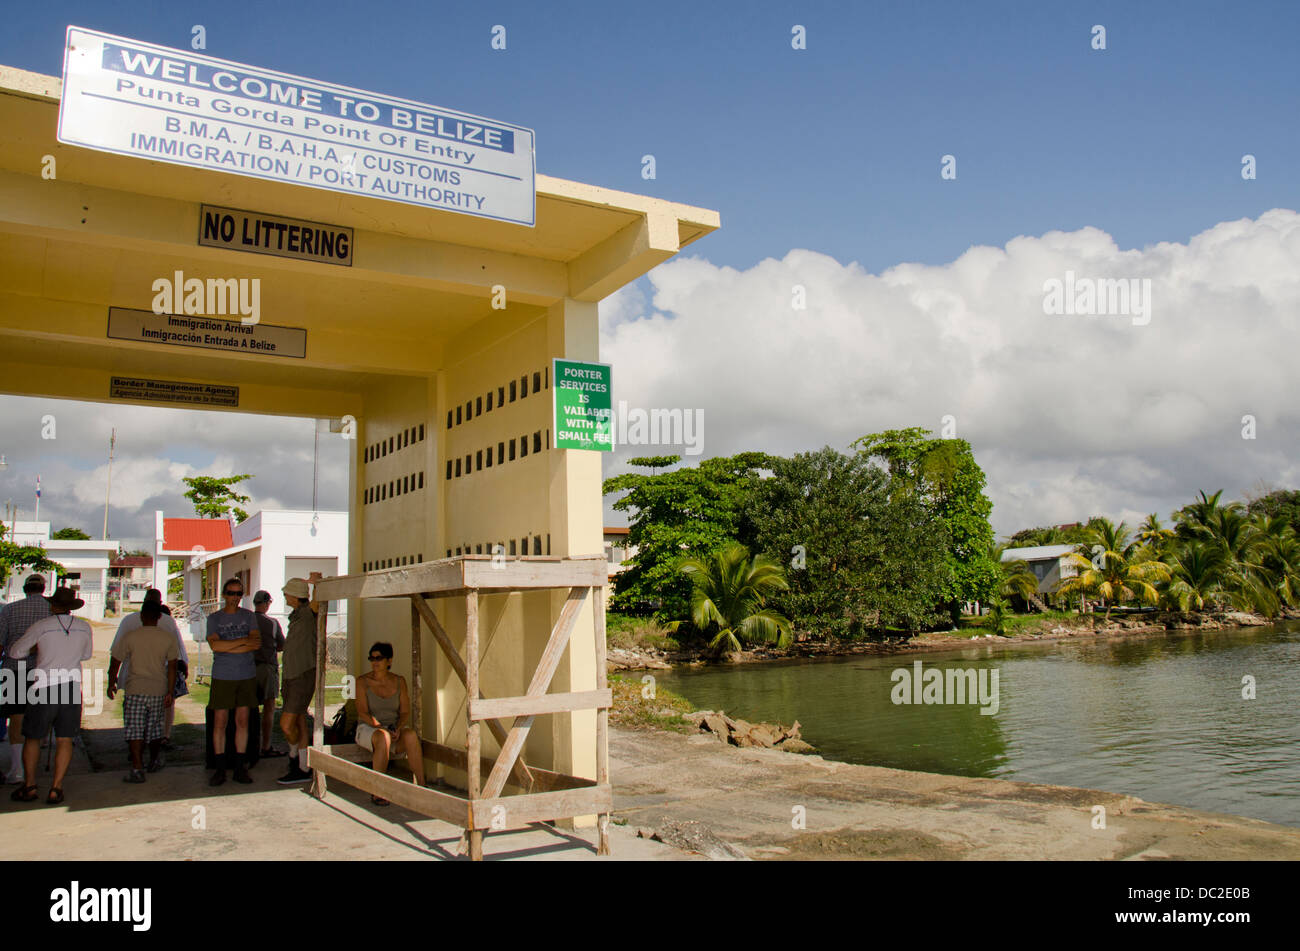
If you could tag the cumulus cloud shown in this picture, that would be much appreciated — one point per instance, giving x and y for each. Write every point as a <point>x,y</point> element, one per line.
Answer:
<point>1070,416</point>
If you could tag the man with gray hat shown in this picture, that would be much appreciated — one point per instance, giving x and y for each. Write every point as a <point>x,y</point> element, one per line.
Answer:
<point>268,668</point>
<point>61,642</point>
<point>299,674</point>
<point>15,619</point>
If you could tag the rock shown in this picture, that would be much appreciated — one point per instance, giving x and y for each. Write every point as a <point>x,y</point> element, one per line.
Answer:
<point>717,725</point>
<point>690,836</point>
<point>794,745</point>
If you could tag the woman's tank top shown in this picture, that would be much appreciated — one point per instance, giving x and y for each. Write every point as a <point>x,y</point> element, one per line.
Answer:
<point>384,709</point>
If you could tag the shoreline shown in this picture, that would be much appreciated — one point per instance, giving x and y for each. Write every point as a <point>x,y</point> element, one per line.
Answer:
<point>628,659</point>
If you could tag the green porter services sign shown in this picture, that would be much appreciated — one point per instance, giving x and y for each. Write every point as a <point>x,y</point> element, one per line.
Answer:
<point>583,405</point>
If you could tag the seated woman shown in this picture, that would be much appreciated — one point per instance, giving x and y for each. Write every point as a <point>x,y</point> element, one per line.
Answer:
<point>383,706</point>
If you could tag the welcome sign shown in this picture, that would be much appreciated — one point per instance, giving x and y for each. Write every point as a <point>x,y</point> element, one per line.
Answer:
<point>167,105</point>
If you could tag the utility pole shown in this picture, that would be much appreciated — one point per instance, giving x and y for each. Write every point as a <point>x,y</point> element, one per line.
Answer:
<point>112,442</point>
<point>315,444</point>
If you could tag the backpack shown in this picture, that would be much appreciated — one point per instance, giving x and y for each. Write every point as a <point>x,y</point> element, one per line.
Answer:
<point>343,728</point>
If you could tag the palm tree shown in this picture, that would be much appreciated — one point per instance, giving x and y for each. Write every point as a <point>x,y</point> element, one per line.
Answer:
<point>730,590</point>
<point>1155,536</point>
<point>1118,570</point>
<point>1197,571</point>
<point>1196,515</point>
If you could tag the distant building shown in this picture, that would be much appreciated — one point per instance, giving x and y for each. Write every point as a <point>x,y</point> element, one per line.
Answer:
<point>85,566</point>
<point>1048,563</point>
<point>617,550</point>
<point>263,552</point>
<point>129,577</point>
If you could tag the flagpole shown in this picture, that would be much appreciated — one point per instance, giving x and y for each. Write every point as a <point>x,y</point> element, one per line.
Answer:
<point>112,441</point>
<point>37,516</point>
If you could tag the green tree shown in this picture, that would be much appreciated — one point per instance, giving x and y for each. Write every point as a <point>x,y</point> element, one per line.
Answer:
<point>859,559</point>
<point>23,558</point>
<point>1197,570</point>
<point>729,591</point>
<point>213,497</point>
<point>71,534</point>
<point>688,511</point>
<point>945,476</point>
<point>1118,571</point>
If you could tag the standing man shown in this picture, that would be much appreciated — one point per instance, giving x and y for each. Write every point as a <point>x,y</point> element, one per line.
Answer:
<point>151,652</point>
<point>234,637</point>
<point>268,668</point>
<point>61,643</point>
<point>133,622</point>
<point>15,619</point>
<point>299,675</point>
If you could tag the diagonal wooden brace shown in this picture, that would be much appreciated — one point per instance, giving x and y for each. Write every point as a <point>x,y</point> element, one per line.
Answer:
<point>546,667</point>
<point>523,775</point>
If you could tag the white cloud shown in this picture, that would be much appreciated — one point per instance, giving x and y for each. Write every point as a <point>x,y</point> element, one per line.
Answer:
<point>1069,415</point>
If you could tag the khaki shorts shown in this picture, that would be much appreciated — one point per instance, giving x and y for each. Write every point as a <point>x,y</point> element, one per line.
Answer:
<point>230,694</point>
<point>298,692</point>
<point>268,683</point>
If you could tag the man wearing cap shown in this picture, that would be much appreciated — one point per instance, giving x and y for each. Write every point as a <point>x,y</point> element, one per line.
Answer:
<point>15,619</point>
<point>234,637</point>
<point>299,675</point>
<point>61,643</point>
<point>268,668</point>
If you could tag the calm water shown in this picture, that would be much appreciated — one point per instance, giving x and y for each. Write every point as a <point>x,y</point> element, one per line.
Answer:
<point>1160,718</point>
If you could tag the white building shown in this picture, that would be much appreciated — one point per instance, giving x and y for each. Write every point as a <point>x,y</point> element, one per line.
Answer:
<point>263,552</point>
<point>1048,563</point>
<point>617,550</point>
<point>85,566</point>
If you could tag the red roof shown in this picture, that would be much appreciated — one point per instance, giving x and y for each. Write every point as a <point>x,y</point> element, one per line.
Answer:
<point>186,534</point>
<point>132,561</point>
<point>614,530</point>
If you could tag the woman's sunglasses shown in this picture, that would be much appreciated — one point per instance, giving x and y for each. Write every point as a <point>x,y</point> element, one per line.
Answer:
<point>378,657</point>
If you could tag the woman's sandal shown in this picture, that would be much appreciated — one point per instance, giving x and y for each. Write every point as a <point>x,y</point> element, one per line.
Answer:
<point>378,801</point>
<point>55,797</point>
<point>24,794</point>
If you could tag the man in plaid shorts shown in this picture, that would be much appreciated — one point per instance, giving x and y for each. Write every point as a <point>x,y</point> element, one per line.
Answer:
<point>150,684</point>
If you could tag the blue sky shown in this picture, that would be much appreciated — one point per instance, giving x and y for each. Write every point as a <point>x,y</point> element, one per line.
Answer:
<point>837,147</point>
<point>818,159</point>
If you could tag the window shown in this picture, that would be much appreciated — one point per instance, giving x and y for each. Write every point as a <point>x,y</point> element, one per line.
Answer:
<point>458,411</point>
<point>367,454</point>
<point>448,468</point>
<point>514,389</point>
<point>449,419</point>
<point>546,375</point>
<point>406,484</point>
<point>383,449</point>
<point>421,480</point>
<point>478,549</point>
<point>501,453</point>
<point>512,546</point>
<point>537,441</point>
<point>537,544</point>
<point>478,461</point>
<point>457,551</point>
<point>501,396</point>
<point>391,493</point>
<point>390,443</point>
<point>548,543</point>
<point>523,446</point>
<point>489,457</point>
<point>469,410</point>
<point>512,450</point>
<point>458,467</point>
<point>523,546</point>
<point>422,432</point>
<point>523,386</point>
<point>537,380</point>
<point>478,406</point>
<point>489,409</point>
<point>467,470</point>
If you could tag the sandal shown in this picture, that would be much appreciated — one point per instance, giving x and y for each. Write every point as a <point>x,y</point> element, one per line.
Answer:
<point>55,797</point>
<point>25,794</point>
<point>378,801</point>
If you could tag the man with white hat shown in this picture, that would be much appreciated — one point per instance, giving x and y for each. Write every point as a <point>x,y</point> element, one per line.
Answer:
<point>15,618</point>
<point>299,675</point>
<point>61,642</point>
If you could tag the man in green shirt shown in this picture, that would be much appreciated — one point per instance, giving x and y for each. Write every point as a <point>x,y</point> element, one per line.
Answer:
<point>299,674</point>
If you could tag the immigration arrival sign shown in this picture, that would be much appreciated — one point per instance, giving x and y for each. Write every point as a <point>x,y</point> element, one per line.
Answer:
<point>152,102</point>
<point>583,405</point>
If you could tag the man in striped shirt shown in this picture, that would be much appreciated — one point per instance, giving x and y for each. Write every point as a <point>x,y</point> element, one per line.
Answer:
<point>15,619</point>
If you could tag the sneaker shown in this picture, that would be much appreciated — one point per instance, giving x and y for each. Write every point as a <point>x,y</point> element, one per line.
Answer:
<point>157,764</point>
<point>241,774</point>
<point>218,778</point>
<point>294,776</point>
<point>134,776</point>
<point>16,779</point>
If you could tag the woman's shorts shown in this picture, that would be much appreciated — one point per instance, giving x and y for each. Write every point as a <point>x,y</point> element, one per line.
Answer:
<point>230,694</point>
<point>365,737</point>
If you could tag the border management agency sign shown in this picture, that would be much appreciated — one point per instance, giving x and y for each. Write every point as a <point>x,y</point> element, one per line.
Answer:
<point>152,102</point>
<point>583,400</point>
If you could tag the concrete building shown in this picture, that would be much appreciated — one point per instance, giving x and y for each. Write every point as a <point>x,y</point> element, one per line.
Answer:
<point>617,550</point>
<point>1048,563</point>
<point>85,566</point>
<point>431,350</point>
<point>263,552</point>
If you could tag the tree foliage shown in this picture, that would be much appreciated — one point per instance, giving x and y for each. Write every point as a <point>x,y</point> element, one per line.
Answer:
<point>729,595</point>
<point>70,534</point>
<point>213,497</point>
<point>23,558</point>
<point>674,515</point>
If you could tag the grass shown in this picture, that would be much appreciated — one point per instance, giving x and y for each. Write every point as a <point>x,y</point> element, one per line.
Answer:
<point>632,633</point>
<point>1016,624</point>
<point>663,710</point>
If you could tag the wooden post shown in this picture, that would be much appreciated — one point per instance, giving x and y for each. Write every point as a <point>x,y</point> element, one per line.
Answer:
<point>318,740</point>
<point>472,766</point>
<point>417,677</point>
<point>602,716</point>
